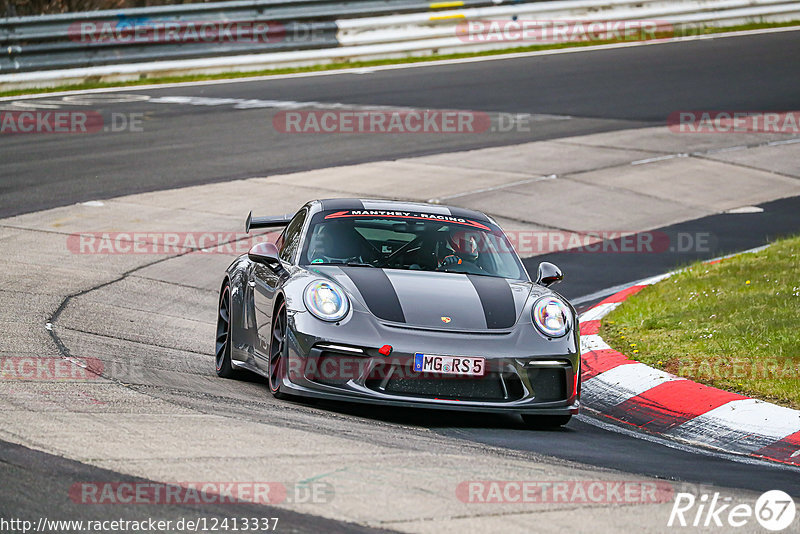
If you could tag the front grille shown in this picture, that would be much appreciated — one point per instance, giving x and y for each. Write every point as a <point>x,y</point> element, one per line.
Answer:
<point>403,380</point>
<point>548,384</point>
<point>484,388</point>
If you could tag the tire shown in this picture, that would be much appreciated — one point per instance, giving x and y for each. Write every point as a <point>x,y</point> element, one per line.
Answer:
<point>278,351</point>
<point>538,422</point>
<point>223,344</point>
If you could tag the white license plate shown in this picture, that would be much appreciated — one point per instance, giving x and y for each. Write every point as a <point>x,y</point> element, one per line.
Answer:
<point>449,365</point>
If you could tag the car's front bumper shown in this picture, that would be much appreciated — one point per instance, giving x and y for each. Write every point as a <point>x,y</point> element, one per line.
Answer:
<point>525,373</point>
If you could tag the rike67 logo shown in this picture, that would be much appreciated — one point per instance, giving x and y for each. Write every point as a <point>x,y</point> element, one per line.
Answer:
<point>774,510</point>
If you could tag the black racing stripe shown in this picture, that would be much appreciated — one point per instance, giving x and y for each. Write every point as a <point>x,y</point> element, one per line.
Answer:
<point>378,292</point>
<point>342,204</point>
<point>496,299</point>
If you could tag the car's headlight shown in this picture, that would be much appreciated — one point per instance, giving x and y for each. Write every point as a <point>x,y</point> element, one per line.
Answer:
<point>326,301</point>
<point>551,316</point>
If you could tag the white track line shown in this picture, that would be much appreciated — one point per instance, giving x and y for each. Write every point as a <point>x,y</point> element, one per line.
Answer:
<point>747,425</point>
<point>623,382</point>
<point>593,420</point>
<point>600,311</point>
<point>592,343</point>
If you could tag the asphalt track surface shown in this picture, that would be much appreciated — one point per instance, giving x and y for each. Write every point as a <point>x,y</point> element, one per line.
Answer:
<point>38,476</point>
<point>601,90</point>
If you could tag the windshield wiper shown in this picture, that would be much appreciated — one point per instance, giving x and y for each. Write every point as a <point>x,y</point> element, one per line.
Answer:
<point>357,264</point>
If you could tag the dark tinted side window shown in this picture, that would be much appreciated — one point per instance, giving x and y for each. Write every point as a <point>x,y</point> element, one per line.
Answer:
<point>291,237</point>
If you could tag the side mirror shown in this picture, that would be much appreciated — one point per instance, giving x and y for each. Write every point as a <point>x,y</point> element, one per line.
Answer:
<point>549,274</point>
<point>266,254</point>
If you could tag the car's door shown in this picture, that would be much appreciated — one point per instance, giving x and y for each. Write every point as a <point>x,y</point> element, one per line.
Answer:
<point>265,283</point>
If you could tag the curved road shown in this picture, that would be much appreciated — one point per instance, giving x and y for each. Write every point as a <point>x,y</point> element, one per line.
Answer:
<point>185,144</point>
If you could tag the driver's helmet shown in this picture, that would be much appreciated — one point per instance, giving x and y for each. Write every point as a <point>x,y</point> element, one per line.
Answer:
<point>464,244</point>
<point>335,243</point>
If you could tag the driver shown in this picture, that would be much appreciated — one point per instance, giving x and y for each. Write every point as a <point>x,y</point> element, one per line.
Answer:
<point>335,243</point>
<point>460,247</point>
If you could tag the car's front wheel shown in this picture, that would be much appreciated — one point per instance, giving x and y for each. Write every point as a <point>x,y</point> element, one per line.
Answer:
<point>540,422</point>
<point>278,351</point>
<point>223,344</point>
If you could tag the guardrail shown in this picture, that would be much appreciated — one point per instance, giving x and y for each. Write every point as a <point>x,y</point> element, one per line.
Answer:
<point>142,34</point>
<point>264,34</point>
<point>663,16</point>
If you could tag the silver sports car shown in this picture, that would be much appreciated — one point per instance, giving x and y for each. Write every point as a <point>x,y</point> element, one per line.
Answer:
<point>400,304</point>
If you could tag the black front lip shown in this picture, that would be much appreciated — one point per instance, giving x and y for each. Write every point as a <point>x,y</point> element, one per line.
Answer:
<point>554,408</point>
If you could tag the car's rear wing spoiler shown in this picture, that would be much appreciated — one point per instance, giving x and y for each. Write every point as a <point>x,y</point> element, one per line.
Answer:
<point>272,221</point>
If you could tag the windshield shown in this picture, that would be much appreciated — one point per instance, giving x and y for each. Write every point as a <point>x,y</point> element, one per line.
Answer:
<point>410,241</point>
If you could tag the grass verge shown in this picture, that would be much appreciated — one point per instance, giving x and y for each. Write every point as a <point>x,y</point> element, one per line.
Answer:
<point>734,325</point>
<point>380,62</point>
